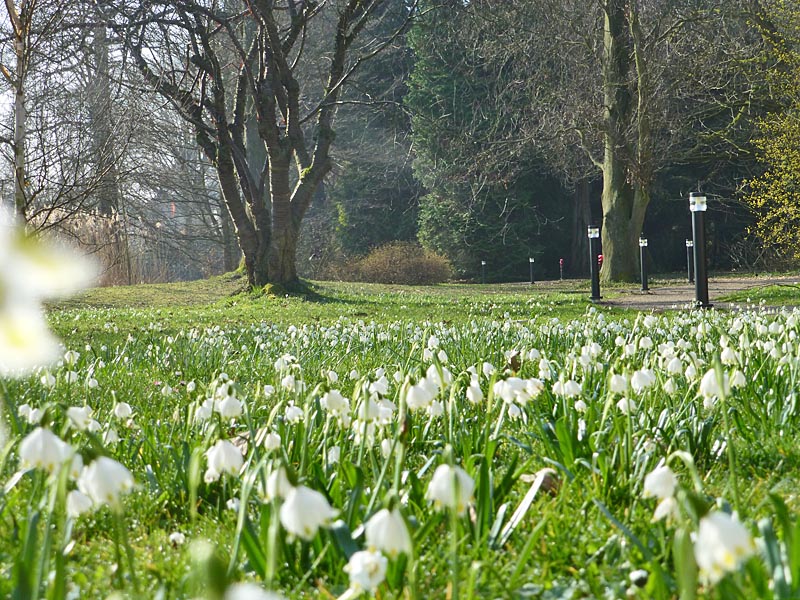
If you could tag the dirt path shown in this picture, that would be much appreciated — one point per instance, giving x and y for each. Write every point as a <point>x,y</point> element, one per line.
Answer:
<point>676,295</point>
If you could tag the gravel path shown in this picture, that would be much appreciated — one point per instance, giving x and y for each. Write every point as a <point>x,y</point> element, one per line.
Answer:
<point>680,295</point>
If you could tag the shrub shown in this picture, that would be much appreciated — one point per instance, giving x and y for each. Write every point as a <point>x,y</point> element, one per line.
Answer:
<point>401,262</point>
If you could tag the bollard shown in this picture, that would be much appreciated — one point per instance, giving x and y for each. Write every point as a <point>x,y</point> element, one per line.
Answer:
<point>643,263</point>
<point>697,206</point>
<point>594,271</point>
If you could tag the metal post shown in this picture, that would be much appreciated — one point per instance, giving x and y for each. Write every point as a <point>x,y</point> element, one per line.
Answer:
<point>697,206</point>
<point>561,269</point>
<point>690,259</point>
<point>483,271</point>
<point>594,236</point>
<point>530,261</point>
<point>642,246</point>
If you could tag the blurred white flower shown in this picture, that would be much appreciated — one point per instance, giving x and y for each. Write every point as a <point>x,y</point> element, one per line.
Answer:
<point>272,441</point>
<point>80,417</point>
<point>334,453</point>
<point>177,538</point>
<point>618,384</point>
<point>105,480</point>
<point>77,503</point>
<point>367,570</point>
<point>123,410</point>
<point>229,407</point>
<point>722,543</point>
<point>451,487</point>
<point>293,414</point>
<point>223,457</point>
<point>304,511</point>
<point>249,591</point>
<point>626,406</point>
<point>387,531</point>
<point>335,403</point>
<point>709,385</point>
<point>474,393</point>
<point>660,483</point>
<point>278,485</point>
<point>642,379</point>
<point>25,340</point>
<point>42,449</point>
<point>667,509</point>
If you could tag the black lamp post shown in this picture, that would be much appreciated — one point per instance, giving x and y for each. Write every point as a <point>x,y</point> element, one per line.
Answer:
<point>594,237</point>
<point>643,263</point>
<point>530,262</point>
<point>697,206</point>
<point>483,271</point>
<point>690,259</point>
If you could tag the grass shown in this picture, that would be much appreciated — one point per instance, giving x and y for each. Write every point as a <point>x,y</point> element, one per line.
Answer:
<point>167,349</point>
<point>787,294</point>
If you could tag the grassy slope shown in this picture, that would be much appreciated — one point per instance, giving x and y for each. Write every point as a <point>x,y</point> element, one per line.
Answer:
<point>224,301</point>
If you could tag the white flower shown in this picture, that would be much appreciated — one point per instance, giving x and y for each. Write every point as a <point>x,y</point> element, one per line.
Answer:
<point>205,410</point>
<point>618,384</point>
<point>42,449</point>
<point>436,409</point>
<point>335,403</point>
<point>667,509</point>
<point>25,340</point>
<point>626,406</point>
<point>675,366</point>
<point>709,385</point>
<point>304,511</point>
<point>642,379</point>
<point>48,380</point>
<point>367,570</point>
<point>293,414</point>
<point>177,538</point>
<point>474,393</point>
<point>278,485</point>
<point>105,480</point>
<point>334,453</point>
<point>249,591</point>
<point>670,387</point>
<point>191,386</point>
<point>418,397</point>
<point>77,503</point>
<point>122,410</point>
<point>580,406</point>
<point>386,531</point>
<point>738,379</point>
<point>229,407</point>
<point>223,457</point>
<point>80,417</point>
<point>386,447</point>
<point>722,543</point>
<point>451,487</point>
<point>660,482</point>
<point>728,356</point>
<point>272,441</point>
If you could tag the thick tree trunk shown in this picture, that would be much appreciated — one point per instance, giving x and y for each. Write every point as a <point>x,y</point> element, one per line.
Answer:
<point>285,230</point>
<point>620,228</point>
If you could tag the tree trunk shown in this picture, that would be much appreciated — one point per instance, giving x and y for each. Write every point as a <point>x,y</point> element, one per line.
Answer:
<point>20,127</point>
<point>581,219</point>
<point>283,241</point>
<point>620,229</point>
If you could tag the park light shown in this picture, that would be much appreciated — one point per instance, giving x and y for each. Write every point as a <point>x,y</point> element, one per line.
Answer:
<point>594,261</point>
<point>643,263</point>
<point>483,271</point>
<point>690,260</point>
<point>530,262</point>
<point>697,203</point>
<point>698,207</point>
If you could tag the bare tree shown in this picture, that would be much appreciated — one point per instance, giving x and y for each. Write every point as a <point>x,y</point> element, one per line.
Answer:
<point>224,65</point>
